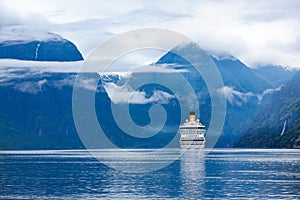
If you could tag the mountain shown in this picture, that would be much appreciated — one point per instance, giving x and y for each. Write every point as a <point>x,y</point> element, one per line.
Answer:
<point>277,75</point>
<point>238,75</point>
<point>278,123</point>
<point>23,44</point>
<point>245,90</point>
<point>38,111</point>
<point>36,106</point>
<point>37,115</point>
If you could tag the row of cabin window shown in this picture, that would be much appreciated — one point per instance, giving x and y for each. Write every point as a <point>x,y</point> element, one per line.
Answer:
<point>191,131</point>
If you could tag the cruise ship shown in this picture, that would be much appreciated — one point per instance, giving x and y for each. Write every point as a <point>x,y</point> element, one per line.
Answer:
<point>192,133</point>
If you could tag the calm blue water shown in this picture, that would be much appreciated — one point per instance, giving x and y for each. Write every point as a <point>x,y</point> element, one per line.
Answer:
<point>221,174</point>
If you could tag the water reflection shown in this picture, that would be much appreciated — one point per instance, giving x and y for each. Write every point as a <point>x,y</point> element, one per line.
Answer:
<point>137,160</point>
<point>192,173</point>
<point>220,174</point>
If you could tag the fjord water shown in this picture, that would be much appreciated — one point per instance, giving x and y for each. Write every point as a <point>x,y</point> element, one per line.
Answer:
<point>218,174</point>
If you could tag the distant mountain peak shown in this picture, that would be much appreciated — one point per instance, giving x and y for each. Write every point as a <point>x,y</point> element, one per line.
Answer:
<point>222,56</point>
<point>36,45</point>
<point>17,35</point>
<point>194,47</point>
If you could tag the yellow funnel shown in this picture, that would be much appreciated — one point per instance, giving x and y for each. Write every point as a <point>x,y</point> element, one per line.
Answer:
<point>192,116</point>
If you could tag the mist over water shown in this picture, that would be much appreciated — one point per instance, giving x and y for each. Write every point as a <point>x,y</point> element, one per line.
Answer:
<point>220,174</point>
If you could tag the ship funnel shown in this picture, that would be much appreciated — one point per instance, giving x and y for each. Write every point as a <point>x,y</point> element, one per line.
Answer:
<point>192,116</point>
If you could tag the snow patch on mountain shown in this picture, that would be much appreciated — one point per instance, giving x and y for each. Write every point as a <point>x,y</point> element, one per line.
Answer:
<point>15,35</point>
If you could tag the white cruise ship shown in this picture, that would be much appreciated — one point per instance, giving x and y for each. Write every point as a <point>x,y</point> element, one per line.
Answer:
<point>192,133</point>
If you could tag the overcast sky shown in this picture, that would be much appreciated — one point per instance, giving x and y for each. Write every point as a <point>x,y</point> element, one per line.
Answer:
<point>258,32</point>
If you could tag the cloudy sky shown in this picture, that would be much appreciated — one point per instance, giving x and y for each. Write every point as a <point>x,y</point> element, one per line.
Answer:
<point>258,32</point>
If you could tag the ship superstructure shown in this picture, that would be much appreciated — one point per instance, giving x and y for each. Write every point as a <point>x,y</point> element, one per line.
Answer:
<point>192,133</point>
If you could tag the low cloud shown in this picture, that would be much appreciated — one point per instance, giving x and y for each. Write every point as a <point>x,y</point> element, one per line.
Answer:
<point>8,74</point>
<point>34,79</point>
<point>37,66</point>
<point>234,97</point>
<point>267,92</point>
<point>161,69</point>
<point>238,98</point>
<point>87,83</point>
<point>125,95</point>
<point>30,86</point>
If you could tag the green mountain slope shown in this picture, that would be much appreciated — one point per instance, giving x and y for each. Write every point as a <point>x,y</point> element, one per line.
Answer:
<point>278,124</point>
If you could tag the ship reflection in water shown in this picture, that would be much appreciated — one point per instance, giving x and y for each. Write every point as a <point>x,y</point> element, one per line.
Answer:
<point>192,173</point>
